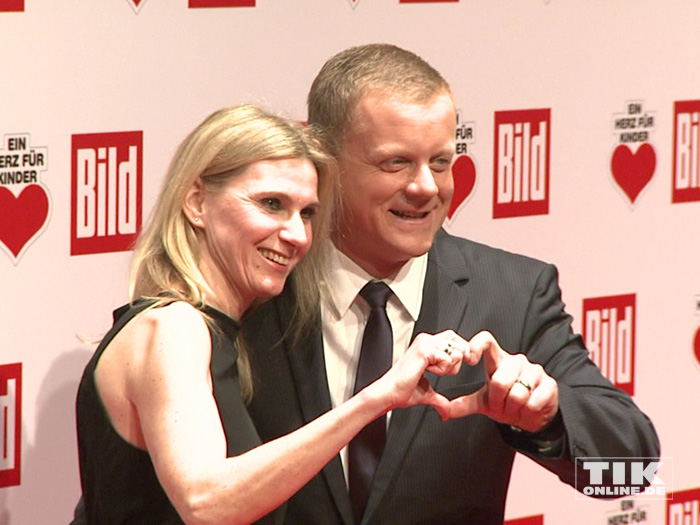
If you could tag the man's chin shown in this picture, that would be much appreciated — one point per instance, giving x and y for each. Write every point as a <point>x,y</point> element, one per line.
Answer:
<point>413,247</point>
<point>401,254</point>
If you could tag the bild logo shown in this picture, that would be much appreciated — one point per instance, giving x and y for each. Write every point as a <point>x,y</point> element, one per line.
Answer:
<point>221,3</point>
<point>106,191</point>
<point>683,508</point>
<point>10,423</point>
<point>521,163</point>
<point>11,5</point>
<point>609,334</point>
<point>686,152</point>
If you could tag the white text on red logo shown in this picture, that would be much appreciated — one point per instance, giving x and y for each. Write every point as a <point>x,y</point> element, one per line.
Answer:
<point>683,508</point>
<point>106,191</point>
<point>686,152</point>
<point>609,334</point>
<point>10,423</point>
<point>521,163</point>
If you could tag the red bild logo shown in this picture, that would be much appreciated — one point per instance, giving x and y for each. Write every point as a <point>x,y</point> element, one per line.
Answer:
<point>221,3</point>
<point>686,152</point>
<point>106,191</point>
<point>683,508</point>
<point>609,334</point>
<point>10,423</point>
<point>11,5</point>
<point>521,163</point>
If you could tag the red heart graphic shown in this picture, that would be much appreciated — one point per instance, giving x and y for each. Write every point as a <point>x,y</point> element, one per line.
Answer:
<point>632,172</point>
<point>464,175</point>
<point>21,217</point>
<point>696,345</point>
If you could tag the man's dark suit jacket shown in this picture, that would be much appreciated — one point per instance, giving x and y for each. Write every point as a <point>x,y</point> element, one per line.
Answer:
<point>453,472</point>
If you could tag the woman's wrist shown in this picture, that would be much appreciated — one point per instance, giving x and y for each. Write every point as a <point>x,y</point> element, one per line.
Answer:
<point>374,400</point>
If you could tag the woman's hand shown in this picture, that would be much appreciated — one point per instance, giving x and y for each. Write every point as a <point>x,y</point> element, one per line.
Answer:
<point>405,384</point>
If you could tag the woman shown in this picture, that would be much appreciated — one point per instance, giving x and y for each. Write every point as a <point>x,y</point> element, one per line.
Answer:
<point>163,432</point>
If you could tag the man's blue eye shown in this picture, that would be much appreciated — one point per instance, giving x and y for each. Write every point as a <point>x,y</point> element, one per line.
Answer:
<point>272,204</point>
<point>441,163</point>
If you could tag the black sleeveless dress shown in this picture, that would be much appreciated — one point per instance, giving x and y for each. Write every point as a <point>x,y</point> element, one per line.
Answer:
<point>118,480</point>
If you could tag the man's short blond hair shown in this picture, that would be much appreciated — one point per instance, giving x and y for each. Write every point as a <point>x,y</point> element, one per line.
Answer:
<point>358,71</point>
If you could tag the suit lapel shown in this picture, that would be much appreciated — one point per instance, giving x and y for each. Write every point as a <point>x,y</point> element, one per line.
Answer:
<point>444,304</point>
<point>308,368</point>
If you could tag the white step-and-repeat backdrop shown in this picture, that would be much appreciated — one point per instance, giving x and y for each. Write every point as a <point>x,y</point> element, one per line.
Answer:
<point>605,95</point>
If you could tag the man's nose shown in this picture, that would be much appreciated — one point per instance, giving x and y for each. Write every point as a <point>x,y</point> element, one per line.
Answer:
<point>423,184</point>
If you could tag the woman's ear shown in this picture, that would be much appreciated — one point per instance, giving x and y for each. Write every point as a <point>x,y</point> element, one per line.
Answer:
<point>192,207</point>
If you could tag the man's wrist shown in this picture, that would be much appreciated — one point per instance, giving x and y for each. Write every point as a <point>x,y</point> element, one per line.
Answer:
<point>548,442</point>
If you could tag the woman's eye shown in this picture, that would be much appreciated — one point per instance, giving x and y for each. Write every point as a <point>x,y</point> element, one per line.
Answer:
<point>308,213</point>
<point>271,203</point>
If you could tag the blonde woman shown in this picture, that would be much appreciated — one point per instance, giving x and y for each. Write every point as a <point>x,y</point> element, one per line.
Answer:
<point>164,434</point>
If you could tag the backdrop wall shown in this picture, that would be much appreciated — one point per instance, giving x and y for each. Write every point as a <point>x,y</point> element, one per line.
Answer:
<point>604,97</point>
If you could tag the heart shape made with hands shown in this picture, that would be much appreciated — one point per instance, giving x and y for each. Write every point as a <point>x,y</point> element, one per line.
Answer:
<point>462,390</point>
<point>464,175</point>
<point>633,171</point>
<point>21,218</point>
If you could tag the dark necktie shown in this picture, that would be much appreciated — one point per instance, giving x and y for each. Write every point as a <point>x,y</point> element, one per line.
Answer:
<point>365,450</point>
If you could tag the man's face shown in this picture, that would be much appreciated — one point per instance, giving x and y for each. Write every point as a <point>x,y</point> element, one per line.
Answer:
<point>396,180</point>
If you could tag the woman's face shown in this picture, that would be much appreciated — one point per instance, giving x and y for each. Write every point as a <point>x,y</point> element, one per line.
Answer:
<point>257,228</point>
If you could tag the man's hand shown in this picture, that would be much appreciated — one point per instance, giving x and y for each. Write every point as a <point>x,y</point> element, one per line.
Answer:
<point>517,392</point>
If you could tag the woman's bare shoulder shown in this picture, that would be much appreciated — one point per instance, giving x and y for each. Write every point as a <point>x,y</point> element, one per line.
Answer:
<point>164,331</point>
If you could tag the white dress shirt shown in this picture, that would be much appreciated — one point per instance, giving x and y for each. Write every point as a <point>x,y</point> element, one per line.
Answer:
<point>344,315</point>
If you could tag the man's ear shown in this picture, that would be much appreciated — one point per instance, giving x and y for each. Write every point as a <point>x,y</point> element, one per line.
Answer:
<point>192,207</point>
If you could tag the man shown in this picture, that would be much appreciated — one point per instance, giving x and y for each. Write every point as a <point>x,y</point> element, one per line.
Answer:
<point>390,119</point>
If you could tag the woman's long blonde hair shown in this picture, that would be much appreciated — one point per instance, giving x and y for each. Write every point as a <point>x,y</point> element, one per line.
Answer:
<point>166,255</point>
